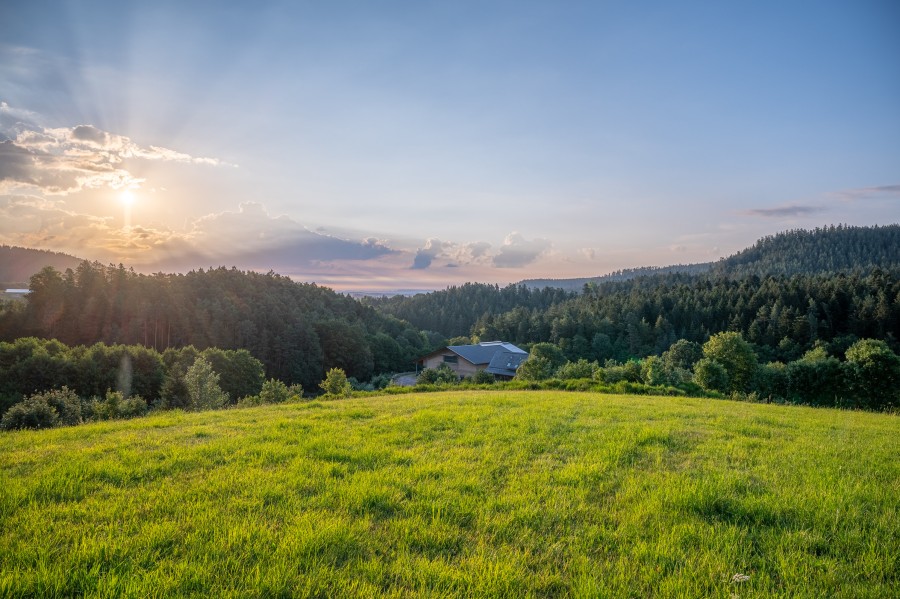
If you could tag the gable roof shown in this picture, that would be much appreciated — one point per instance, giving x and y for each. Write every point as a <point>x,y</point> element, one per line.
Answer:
<point>482,353</point>
<point>506,363</point>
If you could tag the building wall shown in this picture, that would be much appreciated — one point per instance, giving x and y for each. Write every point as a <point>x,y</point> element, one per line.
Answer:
<point>461,367</point>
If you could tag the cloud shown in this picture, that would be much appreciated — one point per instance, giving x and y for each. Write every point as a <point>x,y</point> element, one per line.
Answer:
<point>247,238</point>
<point>36,222</point>
<point>784,211</point>
<point>255,239</point>
<point>425,255</point>
<point>66,160</point>
<point>869,193</point>
<point>517,251</point>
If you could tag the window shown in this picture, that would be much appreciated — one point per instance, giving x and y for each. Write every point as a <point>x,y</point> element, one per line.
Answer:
<point>451,359</point>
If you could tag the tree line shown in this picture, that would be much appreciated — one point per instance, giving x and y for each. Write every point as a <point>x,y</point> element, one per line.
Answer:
<point>30,365</point>
<point>867,377</point>
<point>297,330</point>
<point>782,317</point>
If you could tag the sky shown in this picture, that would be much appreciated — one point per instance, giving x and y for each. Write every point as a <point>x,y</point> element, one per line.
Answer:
<point>387,145</point>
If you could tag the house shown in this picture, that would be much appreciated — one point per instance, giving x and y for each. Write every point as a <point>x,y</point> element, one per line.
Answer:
<point>496,357</point>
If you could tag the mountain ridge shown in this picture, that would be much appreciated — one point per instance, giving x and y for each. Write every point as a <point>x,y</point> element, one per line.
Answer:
<point>833,248</point>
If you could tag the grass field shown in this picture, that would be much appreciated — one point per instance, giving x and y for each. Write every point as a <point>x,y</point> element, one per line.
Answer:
<point>500,494</point>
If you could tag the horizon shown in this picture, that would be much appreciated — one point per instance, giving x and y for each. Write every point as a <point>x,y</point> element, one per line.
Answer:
<point>359,292</point>
<point>415,146</point>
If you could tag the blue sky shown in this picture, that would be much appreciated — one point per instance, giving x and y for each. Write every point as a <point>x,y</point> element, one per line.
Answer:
<point>377,145</point>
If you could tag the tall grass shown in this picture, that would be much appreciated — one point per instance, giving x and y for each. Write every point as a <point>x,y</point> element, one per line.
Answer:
<point>473,493</point>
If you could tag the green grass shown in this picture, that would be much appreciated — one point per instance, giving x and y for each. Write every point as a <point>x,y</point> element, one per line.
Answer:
<point>501,494</point>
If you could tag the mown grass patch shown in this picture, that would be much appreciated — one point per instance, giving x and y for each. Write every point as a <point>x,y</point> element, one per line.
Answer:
<point>471,493</point>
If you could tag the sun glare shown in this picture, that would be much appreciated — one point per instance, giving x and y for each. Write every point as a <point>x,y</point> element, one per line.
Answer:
<point>127,199</point>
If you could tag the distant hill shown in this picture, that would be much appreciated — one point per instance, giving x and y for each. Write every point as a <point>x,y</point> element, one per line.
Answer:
<point>17,264</point>
<point>626,274</point>
<point>837,248</point>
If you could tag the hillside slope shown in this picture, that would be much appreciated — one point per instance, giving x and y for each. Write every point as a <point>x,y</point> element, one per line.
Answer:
<point>457,494</point>
<point>839,248</point>
<point>18,264</point>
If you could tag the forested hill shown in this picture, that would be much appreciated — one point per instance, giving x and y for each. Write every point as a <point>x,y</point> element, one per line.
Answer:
<point>297,330</point>
<point>453,311</point>
<point>852,292</point>
<point>626,274</point>
<point>18,264</point>
<point>827,250</point>
<point>837,248</point>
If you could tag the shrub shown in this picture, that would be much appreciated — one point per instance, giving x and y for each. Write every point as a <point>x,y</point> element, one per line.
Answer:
<point>711,375</point>
<point>133,407</point>
<point>483,377</point>
<point>653,371</point>
<point>107,408</point>
<point>380,381</point>
<point>336,384</point>
<point>203,388</point>
<point>874,372</point>
<point>274,391</point>
<point>34,413</point>
<point>772,382</point>
<point>582,369</point>
<point>736,356</point>
<point>614,372</point>
<point>534,368</point>
<point>66,404</point>
<point>435,376</point>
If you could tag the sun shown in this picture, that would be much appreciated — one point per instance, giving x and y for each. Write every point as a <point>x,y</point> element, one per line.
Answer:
<point>127,197</point>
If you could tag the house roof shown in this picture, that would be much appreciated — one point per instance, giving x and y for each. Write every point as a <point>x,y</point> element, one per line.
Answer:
<point>482,353</point>
<point>506,363</point>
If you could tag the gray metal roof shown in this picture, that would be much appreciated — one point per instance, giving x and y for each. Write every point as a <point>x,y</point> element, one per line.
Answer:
<point>483,353</point>
<point>506,362</point>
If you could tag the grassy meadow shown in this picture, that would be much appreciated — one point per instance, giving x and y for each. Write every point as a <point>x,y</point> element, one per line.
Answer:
<point>462,494</point>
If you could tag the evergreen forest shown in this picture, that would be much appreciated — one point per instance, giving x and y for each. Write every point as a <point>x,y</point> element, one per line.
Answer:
<point>804,316</point>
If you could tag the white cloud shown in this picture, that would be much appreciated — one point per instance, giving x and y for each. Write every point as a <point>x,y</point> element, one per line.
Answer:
<point>517,251</point>
<point>65,160</point>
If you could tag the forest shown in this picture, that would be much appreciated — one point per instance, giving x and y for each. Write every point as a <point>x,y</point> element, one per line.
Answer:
<point>785,294</point>
<point>818,337</point>
<point>298,331</point>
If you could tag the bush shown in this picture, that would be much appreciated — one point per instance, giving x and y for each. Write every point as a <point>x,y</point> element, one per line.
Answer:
<point>483,377</point>
<point>34,413</point>
<point>435,376</point>
<point>736,356</point>
<point>274,391</point>
<point>874,372</point>
<point>711,375</point>
<point>653,371</point>
<point>66,404</point>
<point>203,388</point>
<point>336,384</point>
<point>535,368</point>
<point>582,369</point>
<point>772,382</point>
<point>614,372</point>
<point>380,381</point>
<point>133,407</point>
